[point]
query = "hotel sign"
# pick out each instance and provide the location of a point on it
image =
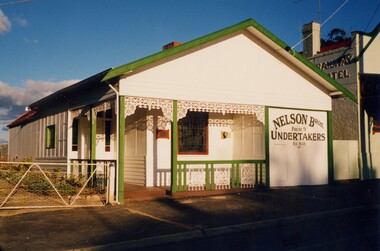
(340, 65)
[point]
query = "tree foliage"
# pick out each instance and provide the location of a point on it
(336, 35)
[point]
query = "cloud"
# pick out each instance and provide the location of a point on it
(5, 24)
(30, 41)
(33, 91)
(13, 100)
(20, 20)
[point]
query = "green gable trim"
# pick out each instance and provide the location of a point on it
(118, 71)
(373, 34)
(175, 50)
(326, 77)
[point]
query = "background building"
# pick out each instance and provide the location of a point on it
(3, 152)
(355, 133)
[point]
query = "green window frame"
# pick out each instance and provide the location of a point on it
(50, 137)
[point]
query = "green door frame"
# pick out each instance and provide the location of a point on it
(120, 169)
(174, 148)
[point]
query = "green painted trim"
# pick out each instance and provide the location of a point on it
(373, 34)
(193, 162)
(210, 172)
(266, 124)
(212, 177)
(330, 154)
(121, 122)
(118, 71)
(174, 148)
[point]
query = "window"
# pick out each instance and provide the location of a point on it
(50, 137)
(108, 135)
(106, 122)
(74, 146)
(193, 133)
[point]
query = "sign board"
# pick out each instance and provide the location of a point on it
(298, 147)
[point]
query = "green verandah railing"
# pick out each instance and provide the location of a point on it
(220, 174)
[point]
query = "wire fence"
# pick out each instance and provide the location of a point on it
(42, 185)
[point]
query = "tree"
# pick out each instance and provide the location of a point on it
(336, 35)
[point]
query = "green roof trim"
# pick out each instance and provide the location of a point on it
(118, 71)
(373, 34)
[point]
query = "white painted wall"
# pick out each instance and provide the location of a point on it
(371, 56)
(372, 65)
(235, 70)
(248, 137)
(298, 162)
(346, 159)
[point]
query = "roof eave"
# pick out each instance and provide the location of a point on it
(257, 30)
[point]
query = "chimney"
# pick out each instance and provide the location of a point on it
(170, 45)
(312, 39)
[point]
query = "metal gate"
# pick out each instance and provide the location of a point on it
(44, 185)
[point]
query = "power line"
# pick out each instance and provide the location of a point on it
(341, 6)
(15, 2)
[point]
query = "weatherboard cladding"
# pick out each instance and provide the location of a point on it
(245, 25)
(235, 70)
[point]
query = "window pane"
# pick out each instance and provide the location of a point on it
(192, 133)
(74, 146)
(108, 135)
(50, 137)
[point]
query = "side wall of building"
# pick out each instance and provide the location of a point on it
(371, 141)
(29, 141)
(340, 65)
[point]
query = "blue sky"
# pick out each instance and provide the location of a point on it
(48, 44)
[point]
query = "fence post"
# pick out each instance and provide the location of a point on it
(111, 183)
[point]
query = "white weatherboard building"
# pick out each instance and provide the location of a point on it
(233, 109)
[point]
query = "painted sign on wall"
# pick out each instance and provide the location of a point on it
(298, 147)
(297, 127)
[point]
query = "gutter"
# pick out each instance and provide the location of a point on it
(117, 140)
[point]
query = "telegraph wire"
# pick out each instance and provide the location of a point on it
(15, 2)
(333, 14)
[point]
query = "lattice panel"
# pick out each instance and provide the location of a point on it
(222, 176)
(196, 177)
(247, 175)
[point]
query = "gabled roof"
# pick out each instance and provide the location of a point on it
(34, 109)
(89, 82)
(27, 116)
(256, 30)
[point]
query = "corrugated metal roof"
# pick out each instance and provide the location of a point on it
(22, 119)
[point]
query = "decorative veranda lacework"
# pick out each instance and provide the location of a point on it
(222, 176)
(247, 175)
(196, 177)
(131, 103)
(184, 106)
(102, 107)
